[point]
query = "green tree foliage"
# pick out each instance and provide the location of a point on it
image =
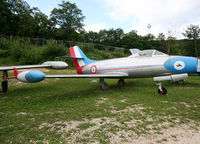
(193, 33)
(69, 18)
(53, 49)
(92, 37)
(6, 17)
(132, 40)
(24, 52)
(44, 26)
(18, 18)
(161, 39)
(111, 37)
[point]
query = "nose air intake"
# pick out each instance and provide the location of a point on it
(181, 64)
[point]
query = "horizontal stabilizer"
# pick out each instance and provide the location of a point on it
(67, 57)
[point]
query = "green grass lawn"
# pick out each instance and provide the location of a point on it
(77, 111)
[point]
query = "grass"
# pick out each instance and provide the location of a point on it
(77, 111)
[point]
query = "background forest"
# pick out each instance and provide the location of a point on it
(28, 36)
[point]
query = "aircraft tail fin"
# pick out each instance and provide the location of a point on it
(80, 59)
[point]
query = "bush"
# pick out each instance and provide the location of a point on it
(20, 51)
(52, 49)
(5, 46)
(32, 55)
(18, 48)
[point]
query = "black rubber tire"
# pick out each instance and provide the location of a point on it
(121, 83)
(163, 92)
(4, 86)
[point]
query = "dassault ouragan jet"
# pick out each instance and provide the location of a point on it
(146, 63)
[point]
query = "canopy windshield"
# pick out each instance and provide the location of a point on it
(150, 53)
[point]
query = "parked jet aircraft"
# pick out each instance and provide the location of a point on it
(146, 63)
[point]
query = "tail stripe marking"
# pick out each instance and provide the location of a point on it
(73, 55)
(78, 54)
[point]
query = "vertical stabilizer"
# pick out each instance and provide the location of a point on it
(76, 52)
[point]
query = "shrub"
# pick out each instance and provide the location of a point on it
(52, 49)
(32, 55)
(5, 45)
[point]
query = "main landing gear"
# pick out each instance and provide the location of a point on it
(121, 83)
(180, 82)
(4, 84)
(161, 90)
(105, 86)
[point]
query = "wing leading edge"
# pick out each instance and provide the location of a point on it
(109, 75)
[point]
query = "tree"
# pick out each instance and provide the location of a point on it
(193, 33)
(161, 39)
(44, 26)
(15, 18)
(132, 40)
(111, 37)
(92, 37)
(5, 17)
(69, 18)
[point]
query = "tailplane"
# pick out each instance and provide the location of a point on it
(80, 59)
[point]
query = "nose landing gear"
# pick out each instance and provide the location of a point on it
(161, 90)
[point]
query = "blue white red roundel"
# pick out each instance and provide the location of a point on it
(93, 69)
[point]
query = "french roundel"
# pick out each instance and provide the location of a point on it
(179, 65)
(93, 69)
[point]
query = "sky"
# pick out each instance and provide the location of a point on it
(171, 17)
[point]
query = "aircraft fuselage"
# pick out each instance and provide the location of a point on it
(137, 67)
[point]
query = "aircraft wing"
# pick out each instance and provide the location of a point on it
(108, 75)
(3, 68)
(47, 64)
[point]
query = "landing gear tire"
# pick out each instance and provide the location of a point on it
(4, 86)
(121, 83)
(163, 91)
(180, 82)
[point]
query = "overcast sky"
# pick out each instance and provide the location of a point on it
(162, 15)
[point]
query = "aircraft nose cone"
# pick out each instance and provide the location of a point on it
(181, 64)
(35, 76)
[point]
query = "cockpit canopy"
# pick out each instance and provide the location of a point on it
(149, 53)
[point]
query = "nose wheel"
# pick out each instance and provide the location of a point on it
(161, 89)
